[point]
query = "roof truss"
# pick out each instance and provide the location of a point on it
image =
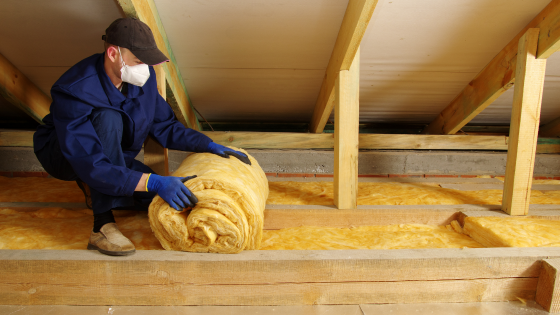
(499, 75)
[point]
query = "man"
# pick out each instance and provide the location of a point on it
(103, 109)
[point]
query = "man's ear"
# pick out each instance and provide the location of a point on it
(112, 53)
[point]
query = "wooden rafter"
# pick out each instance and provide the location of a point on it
(17, 89)
(355, 22)
(146, 11)
(499, 75)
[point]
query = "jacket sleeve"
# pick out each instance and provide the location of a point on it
(83, 150)
(170, 133)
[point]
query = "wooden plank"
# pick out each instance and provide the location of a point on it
(552, 129)
(346, 141)
(498, 76)
(283, 140)
(272, 140)
(155, 155)
(280, 140)
(548, 288)
(354, 24)
(275, 219)
(146, 11)
(270, 277)
(524, 127)
(17, 89)
(16, 138)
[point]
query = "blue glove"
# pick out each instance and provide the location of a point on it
(172, 190)
(225, 152)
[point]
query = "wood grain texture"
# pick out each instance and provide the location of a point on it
(346, 141)
(155, 155)
(548, 288)
(17, 89)
(288, 140)
(146, 11)
(270, 277)
(275, 219)
(524, 127)
(354, 24)
(498, 76)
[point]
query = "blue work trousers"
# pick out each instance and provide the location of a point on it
(108, 125)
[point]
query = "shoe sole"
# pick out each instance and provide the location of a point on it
(109, 252)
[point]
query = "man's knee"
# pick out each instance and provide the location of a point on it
(105, 119)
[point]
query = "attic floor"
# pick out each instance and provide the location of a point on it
(495, 308)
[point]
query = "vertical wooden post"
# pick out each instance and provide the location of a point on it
(155, 155)
(548, 287)
(524, 127)
(346, 117)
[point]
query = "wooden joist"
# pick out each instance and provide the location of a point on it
(354, 24)
(286, 140)
(80, 277)
(548, 288)
(499, 75)
(347, 120)
(524, 127)
(146, 11)
(17, 89)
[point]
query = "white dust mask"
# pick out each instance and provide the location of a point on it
(136, 75)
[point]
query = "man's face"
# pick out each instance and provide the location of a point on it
(115, 59)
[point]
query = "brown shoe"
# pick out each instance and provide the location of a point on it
(110, 241)
(85, 189)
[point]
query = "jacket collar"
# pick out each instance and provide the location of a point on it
(116, 98)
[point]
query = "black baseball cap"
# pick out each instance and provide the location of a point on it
(137, 37)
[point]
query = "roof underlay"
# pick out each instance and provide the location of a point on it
(262, 60)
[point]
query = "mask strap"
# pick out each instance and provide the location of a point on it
(120, 55)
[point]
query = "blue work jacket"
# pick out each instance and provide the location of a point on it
(86, 87)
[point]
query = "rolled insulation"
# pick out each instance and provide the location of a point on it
(228, 217)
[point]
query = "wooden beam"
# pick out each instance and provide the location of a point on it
(524, 127)
(155, 155)
(550, 130)
(346, 141)
(80, 277)
(354, 24)
(285, 140)
(17, 89)
(548, 288)
(146, 11)
(498, 76)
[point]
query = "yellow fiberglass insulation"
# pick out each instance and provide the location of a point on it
(228, 217)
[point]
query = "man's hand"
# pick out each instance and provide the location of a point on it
(225, 152)
(172, 190)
